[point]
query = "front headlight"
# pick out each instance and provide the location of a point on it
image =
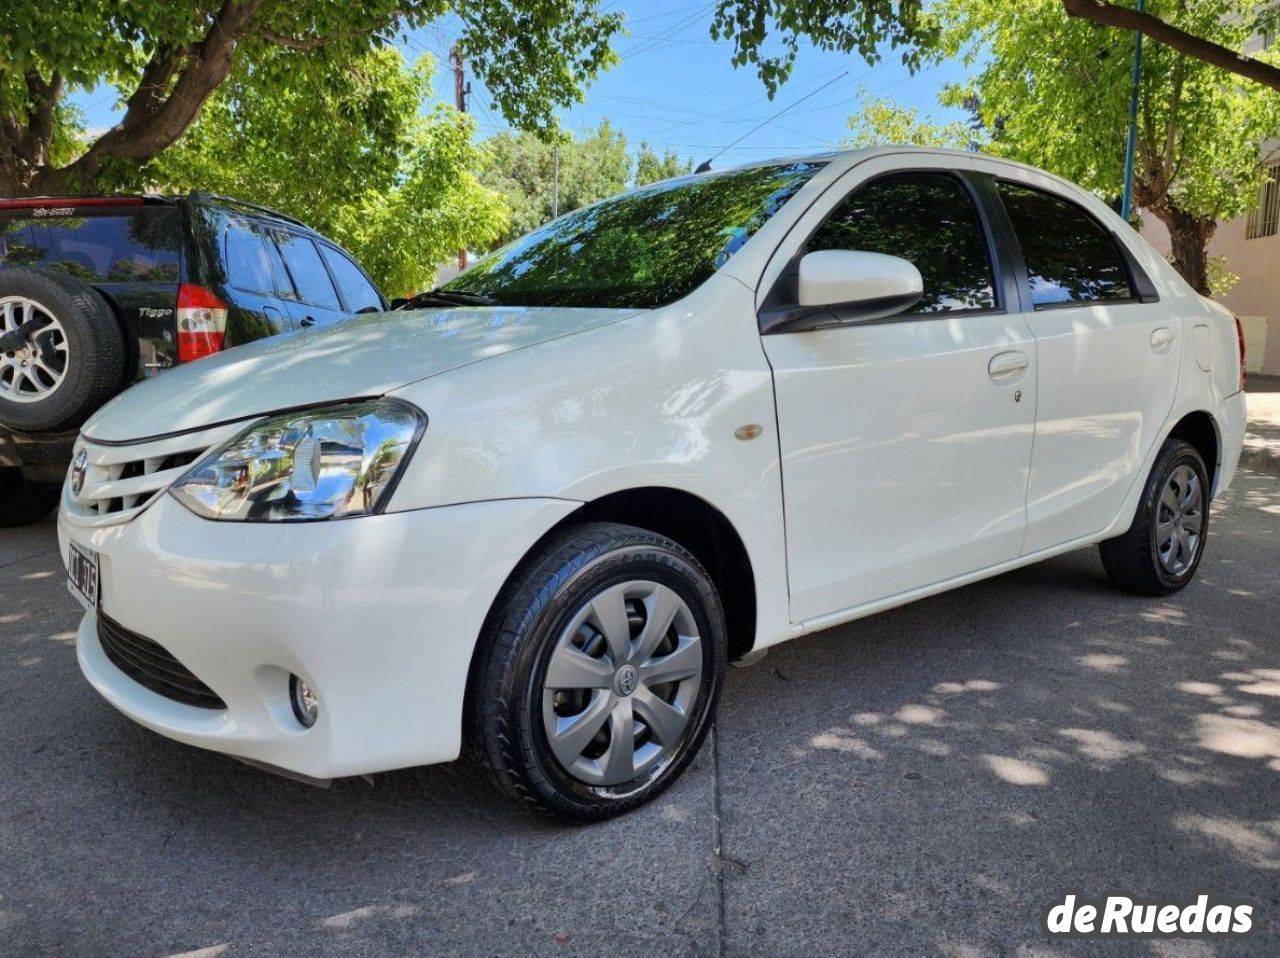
(315, 464)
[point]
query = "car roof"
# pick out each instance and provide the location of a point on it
(846, 158)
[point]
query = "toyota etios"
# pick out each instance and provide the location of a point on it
(540, 513)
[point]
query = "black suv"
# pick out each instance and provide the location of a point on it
(99, 292)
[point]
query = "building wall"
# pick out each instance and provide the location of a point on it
(1257, 263)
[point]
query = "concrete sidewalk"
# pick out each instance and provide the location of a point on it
(1262, 440)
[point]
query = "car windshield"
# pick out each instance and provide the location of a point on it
(641, 249)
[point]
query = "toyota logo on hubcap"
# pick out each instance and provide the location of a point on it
(626, 680)
(79, 467)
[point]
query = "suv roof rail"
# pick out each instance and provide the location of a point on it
(246, 205)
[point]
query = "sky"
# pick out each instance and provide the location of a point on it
(677, 89)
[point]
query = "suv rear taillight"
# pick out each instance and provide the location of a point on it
(202, 323)
(1240, 343)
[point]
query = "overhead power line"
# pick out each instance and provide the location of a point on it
(766, 122)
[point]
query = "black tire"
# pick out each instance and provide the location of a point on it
(95, 359)
(1133, 560)
(23, 503)
(506, 697)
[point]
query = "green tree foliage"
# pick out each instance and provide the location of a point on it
(521, 166)
(767, 33)
(880, 121)
(650, 167)
(1053, 91)
(358, 157)
(168, 57)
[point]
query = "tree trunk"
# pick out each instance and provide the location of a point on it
(171, 92)
(1189, 237)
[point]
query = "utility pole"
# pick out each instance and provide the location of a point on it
(555, 182)
(461, 89)
(1131, 145)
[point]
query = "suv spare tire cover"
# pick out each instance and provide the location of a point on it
(63, 352)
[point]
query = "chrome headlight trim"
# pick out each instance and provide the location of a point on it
(285, 433)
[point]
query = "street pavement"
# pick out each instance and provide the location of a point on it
(927, 781)
(1262, 438)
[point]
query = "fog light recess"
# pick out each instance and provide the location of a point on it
(306, 707)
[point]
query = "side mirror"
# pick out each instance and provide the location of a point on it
(835, 287)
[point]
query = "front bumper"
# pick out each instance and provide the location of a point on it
(379, 614)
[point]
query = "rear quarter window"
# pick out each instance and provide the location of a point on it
(143, 245)
(248, 265)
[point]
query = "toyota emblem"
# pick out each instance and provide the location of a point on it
(79, 466)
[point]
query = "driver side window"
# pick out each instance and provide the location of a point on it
(927, 219)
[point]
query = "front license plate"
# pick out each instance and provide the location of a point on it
(82, 569)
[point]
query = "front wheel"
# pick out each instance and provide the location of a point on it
(1161, 551)
(599, 672)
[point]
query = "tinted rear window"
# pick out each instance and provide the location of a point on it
(141, 246)
(1071, 258)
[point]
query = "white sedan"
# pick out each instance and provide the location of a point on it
(541, 511)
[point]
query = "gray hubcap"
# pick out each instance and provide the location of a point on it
(621, 683)
(35, 370)
(1179, 521)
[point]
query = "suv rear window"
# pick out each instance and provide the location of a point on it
(142, 245)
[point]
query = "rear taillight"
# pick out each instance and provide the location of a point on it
(202, 323)
(1240, 343)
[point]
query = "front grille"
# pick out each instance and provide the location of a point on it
(118, 482)
(152, 667)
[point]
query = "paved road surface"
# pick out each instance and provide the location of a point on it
(923, 782)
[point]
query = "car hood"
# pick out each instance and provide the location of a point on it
(361, 358)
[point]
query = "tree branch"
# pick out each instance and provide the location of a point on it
(1110, 15)
(162, 108)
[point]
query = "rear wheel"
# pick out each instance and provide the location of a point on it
(61, 350)
(23, 503)
(1162, 549)
(600, 671)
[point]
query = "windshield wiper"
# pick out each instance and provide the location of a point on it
(448, 297)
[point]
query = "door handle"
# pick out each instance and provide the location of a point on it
(1161, 338)
(1004, 365)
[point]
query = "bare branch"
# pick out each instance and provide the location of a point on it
(1110, 15)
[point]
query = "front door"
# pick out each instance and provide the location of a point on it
(906, 443)
(317, 302)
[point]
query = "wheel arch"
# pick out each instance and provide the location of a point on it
(689, 520)
(1200, 430)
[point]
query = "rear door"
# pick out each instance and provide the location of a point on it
(1108, 353)
(906, 442)
(257, 284)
